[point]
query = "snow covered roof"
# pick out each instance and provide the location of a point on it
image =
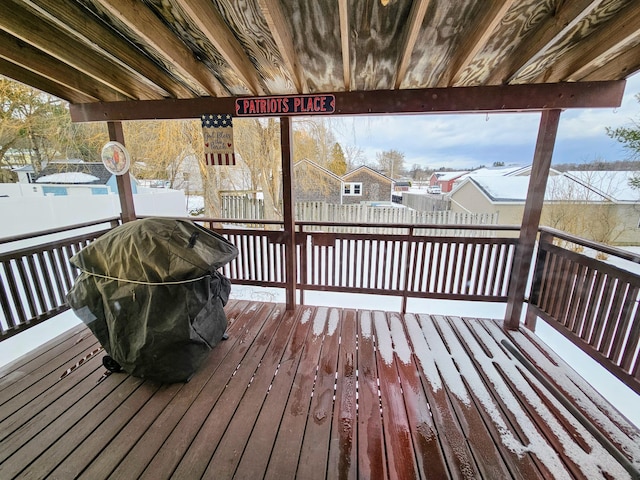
(67, 177)
(85, 173)
(501, 189)
(446, 176)
(612, 184)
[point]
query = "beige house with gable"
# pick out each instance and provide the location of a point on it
(601, 206)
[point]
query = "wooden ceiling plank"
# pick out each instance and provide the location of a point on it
(43, 35)
(480, 99)
(608, 37)
(85, 24)
(276, 20)
(477, 38)
(619, 67)
(209, 21)
(158, 36)
(568, 15)
(414, 24)
(344, 41)
(22, 75)
(43, 65)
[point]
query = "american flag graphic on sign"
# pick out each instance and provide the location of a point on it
(217, 130)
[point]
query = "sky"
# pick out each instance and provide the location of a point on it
(471, 140)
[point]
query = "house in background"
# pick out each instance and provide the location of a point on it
(26, 173)
(445, 180)
(314, 183)
(600, 206)
(364, 184)
(78, 178)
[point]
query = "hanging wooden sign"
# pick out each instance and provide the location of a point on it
(217, 132)
(285, 105)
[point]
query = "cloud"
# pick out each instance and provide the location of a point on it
(466, 141)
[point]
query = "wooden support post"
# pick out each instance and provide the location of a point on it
(286, 142)
(123, 181)
(531, 217)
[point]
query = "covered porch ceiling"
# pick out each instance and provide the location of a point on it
(378, 56)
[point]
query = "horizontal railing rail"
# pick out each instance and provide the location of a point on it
(590, 293)
(34, 280)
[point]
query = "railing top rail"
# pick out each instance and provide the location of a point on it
(436, 226)
(42, 233)
(617, 252)
(225, 220)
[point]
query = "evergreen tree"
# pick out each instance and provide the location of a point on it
(337, 163)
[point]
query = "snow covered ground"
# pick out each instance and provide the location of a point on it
(621, 396)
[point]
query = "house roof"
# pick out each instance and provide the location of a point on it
(94, 173)
(447, 176)
(91, 51)
(325, 171)
(613, 184)
(499, 189)
(365, 168)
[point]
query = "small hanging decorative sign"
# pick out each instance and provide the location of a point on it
(285, 106)
(115, 158)
(217, 130)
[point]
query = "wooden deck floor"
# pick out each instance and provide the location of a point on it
(316, 393)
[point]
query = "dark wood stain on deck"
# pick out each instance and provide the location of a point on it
(315, 393)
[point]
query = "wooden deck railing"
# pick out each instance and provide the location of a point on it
(470, 263)
(34, 279)
(593, 303)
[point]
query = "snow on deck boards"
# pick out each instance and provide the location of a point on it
(316, 393)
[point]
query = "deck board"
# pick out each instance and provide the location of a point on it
(315, 393)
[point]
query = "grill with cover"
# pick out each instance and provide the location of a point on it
(151, 293)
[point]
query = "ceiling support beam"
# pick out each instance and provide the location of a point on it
(128, 211)
(137, 16)
(344, 41)
(531, 217)
(414, 24)
(273, 14)
(564, 19)
(205, 16)
(475, 40)
(507, 98)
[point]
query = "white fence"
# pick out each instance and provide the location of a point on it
(239, 208)
(324, 212)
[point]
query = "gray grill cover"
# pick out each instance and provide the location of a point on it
(150, 292)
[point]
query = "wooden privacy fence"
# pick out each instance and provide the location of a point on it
(307, 212)
(244, 207)
(592, 303)
(34, 280)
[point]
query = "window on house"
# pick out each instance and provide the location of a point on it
(352, 189)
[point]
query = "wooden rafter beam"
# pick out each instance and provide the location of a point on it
(414, 24)
(508, 98)
(475, 40)
(614, 33)
(344, 43)
(567, 16)
(22, 75)
(209, 21)
(48, 68)
(618, 67)
(137, 17)
(276, 20)
(44, 35)
(82, 23)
